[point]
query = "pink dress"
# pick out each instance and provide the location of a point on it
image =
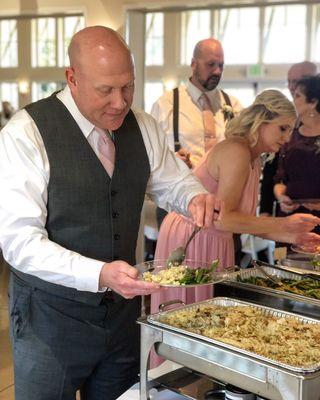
(207, 245)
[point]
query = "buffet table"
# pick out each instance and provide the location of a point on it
(221, 363)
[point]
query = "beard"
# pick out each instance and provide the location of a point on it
(210, 83)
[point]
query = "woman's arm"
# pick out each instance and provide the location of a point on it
(229, 164)
(305, 238)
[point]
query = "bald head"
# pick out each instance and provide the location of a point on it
(207, 64)
(96, 42)
(206, 46)
(298, 71)
(101, 76)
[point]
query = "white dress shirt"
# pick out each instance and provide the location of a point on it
(24, 179)
(191, 130)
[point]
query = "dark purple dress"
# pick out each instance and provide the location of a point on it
(299, 169)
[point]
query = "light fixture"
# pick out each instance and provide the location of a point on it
(24, 87)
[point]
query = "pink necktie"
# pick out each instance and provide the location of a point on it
(208, 122)
(106, 151)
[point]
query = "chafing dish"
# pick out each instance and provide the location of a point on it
(223, 362)
(271, 297)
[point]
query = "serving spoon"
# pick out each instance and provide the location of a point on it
(178, 255)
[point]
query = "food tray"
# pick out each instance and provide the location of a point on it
(228, 302)
(255, 272)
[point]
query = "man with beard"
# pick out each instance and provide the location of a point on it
(180, 112)
(207, 67)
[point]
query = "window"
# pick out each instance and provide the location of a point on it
(244, 93)
(67, 27)
(195, 26)
(8, 43)
(51, 38)
(285, 34)
(238, 27)
(41, 90)
(43, 42)
(315, 44)
(154, 39)
(152, 91)
(9, 92)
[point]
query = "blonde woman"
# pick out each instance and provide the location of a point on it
(231, 170)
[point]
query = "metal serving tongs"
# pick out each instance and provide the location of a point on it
(272, 278)
(259, 264)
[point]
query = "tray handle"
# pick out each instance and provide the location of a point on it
(166, 304)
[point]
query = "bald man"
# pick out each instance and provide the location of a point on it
(207, 66)
(298, 71)
(74, 171)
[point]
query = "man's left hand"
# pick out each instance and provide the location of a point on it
(204, 209)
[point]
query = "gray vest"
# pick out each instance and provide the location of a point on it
(88, 212)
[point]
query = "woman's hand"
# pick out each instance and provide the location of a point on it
(307, 239)
(286, 204)
(312, 206)
(299, 223)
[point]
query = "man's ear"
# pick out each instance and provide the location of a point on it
(70, 77)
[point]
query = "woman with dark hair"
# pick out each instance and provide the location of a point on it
(298, 176)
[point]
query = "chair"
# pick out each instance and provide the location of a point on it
(251, 245)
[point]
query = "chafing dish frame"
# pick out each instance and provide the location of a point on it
(275, 382)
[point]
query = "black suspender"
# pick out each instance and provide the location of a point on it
(177, 145)
(226, 98)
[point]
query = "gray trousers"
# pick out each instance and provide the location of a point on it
(60, 345)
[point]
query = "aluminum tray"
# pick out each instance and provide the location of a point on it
(227, 302)
(247, 273)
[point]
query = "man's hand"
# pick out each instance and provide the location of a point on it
(204, 209)
(122, 278)
(184, 155)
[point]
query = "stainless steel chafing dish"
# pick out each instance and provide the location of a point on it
(226, 363)
(267, 296)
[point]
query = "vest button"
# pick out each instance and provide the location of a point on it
(115, 214)
(113, 193)
(116, 236)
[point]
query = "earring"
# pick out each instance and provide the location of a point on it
(311, 114)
